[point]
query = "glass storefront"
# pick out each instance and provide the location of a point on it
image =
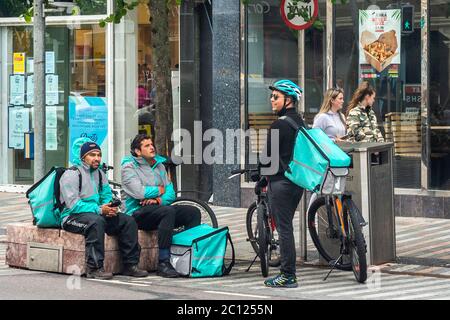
(398, 96)
(14, 8)
(440, 95)
(146, 81)
(77, 75)
(75, 63)
(272, 53)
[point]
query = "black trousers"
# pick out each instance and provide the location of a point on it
(284, 197)
(94, 227)
(165, 219)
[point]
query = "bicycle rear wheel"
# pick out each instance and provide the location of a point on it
(357, 244)
(252, 232)
(326, 238)
(263, 239)
(208, 216)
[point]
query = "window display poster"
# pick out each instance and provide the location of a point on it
(19, 63)
(18, 124)
(51, 139)
(30, 90)
(30, 65)
(51, 128)
(49, 62)
(88, 118)
(380, 40)
(51, 89)
(17, 90)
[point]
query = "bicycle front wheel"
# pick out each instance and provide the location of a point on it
(326, 235)
(356, 242)
(207, 214)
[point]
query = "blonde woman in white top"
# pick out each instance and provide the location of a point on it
(330, 118)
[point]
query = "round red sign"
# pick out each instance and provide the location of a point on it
(293, 11)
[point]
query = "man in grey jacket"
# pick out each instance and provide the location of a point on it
(149, 194)
(88, 211)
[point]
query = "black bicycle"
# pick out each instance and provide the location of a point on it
(335, 225)
(207, 214)
(261, 228)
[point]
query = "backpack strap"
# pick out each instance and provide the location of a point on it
(228, 269)
(79, 176)
(291, 122)
(57, 187)
(294, 126)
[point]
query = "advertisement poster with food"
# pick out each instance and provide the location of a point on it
(379, 42)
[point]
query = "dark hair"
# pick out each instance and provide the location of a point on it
(136, 143)
(364, 89)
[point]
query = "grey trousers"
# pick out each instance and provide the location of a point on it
(284, 197)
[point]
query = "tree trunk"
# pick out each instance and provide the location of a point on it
(161, 65)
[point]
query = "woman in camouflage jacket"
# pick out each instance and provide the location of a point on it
(361, 119)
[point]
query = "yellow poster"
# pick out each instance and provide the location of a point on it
(19, 63)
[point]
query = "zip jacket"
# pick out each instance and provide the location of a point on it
(90, 199)
(140, 181)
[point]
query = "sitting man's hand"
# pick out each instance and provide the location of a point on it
(147, 202)
(108, 211)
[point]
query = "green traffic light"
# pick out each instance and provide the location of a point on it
(407, 25)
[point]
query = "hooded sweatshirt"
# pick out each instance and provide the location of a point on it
(90, 199)
(140, 181)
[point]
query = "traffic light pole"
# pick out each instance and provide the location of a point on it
(39, 89)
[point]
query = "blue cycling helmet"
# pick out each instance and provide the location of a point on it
(289, 88)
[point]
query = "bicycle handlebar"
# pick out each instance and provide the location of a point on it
(241, 171)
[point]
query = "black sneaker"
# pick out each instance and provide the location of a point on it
(99, 273)
(134, 271)
(166, 270)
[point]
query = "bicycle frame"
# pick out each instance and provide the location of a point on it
(337, 210)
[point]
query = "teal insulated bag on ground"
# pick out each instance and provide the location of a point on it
(44, 200)
(200, 252)
(317, 164)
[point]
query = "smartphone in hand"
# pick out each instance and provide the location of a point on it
(115, 203)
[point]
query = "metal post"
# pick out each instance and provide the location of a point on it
(330, 32)
(301, 108)
(425, 84)
(39, 89)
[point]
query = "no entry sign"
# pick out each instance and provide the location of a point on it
(293, 13)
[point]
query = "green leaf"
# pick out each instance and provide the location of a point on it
(319, 25)
(102, 24)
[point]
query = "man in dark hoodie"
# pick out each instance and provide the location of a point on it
(88, 212)
(148, 197)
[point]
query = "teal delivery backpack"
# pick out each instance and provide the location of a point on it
(44, 199)
(200, 252)
(317, 164)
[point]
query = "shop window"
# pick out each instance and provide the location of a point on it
(14, 8)
(439, 99)
(146, 83)
(314, 67)
(397, 80)
(271, 55)
(75, 72)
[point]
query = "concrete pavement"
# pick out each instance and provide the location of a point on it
(415, 237)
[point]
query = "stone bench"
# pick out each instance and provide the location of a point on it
(60, 251)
